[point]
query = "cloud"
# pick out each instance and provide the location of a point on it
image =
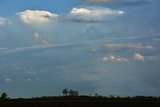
(34, 17)
(129, 47)
(93, 13)
(36, 36)
(7, 80)
(117, 2)
(77, 14)
(100, 1)
(113, 58)
(152, 58)
(41, 47)
(138, 57)
(43, 40)
(4, 21)
(29, 80)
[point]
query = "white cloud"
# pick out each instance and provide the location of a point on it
(99, 1)
(138, 57)
(36, 36)
(29, 80)
(37, 17)
(7, 80)
(34, 17)
(113, 58)
(93, 13)
(115, 47)
(4, 21)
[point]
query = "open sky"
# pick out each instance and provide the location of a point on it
(109, 47)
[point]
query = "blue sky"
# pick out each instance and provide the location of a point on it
(93, 46)
(58, 6)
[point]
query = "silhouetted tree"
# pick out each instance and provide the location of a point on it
(65, 92)
(4, 96)
(73, 93)
(96, 94)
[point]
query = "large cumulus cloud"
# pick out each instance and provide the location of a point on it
(33, 17)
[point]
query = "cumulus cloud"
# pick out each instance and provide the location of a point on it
(33, 17)
(86, 14)
(113, 58)
(138, 57)
(4, 21)
(93, 13)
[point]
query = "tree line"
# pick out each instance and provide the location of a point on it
(67, 92)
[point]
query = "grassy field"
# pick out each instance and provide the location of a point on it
(82, 101)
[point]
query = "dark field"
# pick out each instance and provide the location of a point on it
(82, 101)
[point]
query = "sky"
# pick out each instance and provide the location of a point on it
(109, 47)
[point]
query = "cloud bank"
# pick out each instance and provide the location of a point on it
(33, 17)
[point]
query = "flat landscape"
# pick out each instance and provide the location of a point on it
(81, 101)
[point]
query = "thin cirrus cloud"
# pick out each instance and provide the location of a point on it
(117, 2)
(35, 17)
(100, 1)
(41, 47)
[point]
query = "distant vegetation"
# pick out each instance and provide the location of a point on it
(67, 92)
(4, 96)
(72, 98)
